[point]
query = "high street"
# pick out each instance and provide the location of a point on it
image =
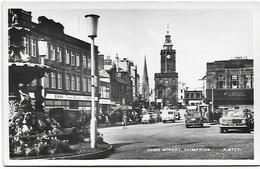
(174, 141)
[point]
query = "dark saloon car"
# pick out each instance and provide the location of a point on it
(236, 119)
(193, 118)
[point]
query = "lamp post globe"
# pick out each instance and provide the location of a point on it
(92, 25)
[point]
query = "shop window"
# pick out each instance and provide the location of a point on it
(221, 82)
(234, 81)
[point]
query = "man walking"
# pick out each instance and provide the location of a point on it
(124, 121)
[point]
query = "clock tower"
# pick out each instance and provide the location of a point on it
(168, 56)
(166, 82)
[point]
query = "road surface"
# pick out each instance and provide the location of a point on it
(174, 141)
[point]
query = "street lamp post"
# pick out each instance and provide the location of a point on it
(92, 24)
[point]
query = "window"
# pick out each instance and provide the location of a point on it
(73, 58)
(181, 91)
(72, 82)
(59, 81)
(77, 59)
(221, 82)
(53, 80)
(89, 62)
(248, 82)
(192, 95)
(181, 97)
(33, 47)
(59, 57)
(34, 82)
(78, 83)
(197, 95)
(84, 84)
(187, 95)
(84, 61)
(26, 45)
(89, 84)
(166, 82)
(52, 52)
(67, 55)
(46, 80)
(67, 82)
(234, 81)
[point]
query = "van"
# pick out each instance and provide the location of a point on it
(168, 115)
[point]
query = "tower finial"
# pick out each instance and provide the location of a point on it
(168, 28)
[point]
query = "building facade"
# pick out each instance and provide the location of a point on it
(69, 84)
(193, 97)
(166, 82)
(230, 83)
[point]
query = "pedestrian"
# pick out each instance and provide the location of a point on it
(124, 121)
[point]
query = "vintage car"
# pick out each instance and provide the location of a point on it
(193, 118)
(147, 118)
(168, 115)
(236, 119)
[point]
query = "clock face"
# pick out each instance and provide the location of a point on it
(168, 56)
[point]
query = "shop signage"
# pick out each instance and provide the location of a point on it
(159, 100)
(104, 101)
(67, 97)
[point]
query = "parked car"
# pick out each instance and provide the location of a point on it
(168, 115)
(156, 117)
(236, 119)
(193, 118)
(147, 118)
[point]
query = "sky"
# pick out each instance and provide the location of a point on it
(198, 35)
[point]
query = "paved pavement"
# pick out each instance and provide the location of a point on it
(174, 141)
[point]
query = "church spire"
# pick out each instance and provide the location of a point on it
(168, 42)
(145, 82)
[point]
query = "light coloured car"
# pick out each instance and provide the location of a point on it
(168, 115)
(236, 119)
(147, 118)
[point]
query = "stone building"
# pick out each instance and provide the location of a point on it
(231, 82)
(69, 85)
(193, 97)
(166, 82)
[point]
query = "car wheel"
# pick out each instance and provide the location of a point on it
(222, 130)
(164, 121)
(202, 125)
(187, 126)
